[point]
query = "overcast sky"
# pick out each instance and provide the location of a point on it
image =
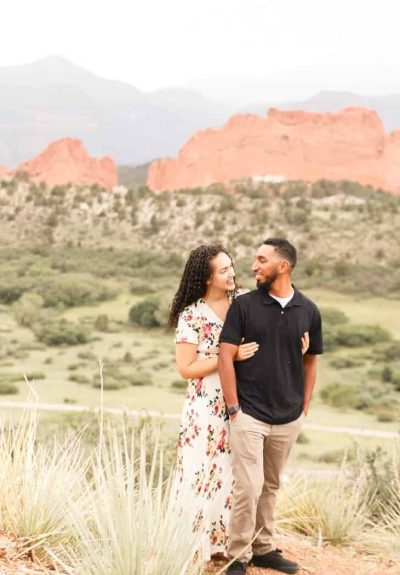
(157, 43)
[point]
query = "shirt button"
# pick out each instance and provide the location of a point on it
(282, 312)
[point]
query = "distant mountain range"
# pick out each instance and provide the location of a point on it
(53, 98)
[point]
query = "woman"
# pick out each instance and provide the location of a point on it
(198, 311)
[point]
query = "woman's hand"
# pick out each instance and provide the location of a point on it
(305, 342)
(246, 350)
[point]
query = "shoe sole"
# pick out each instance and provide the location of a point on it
(291, 572)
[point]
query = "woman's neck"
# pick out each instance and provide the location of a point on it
(216, 295)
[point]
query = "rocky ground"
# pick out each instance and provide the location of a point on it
(324, 560)
(313, 560)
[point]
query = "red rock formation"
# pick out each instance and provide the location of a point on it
(67, 161)
(3, 171)
(295, 145)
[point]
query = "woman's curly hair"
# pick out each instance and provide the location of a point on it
(193, 284)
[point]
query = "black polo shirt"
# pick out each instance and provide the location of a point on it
(271, 383)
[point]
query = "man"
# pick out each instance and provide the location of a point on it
(267, 397)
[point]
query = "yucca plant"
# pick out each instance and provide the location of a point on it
(384, 535)
(134, 524)
(36, 483)
(334, 510)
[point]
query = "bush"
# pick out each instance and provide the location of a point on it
(179, 384)
(336, 456)
(79, 378)
(27, 309)
(303, 438)
(35, 375)
(333, 316)
(340, 395)
(73, 290)
(359, 335)
(140, 378)
(110, 384)
(139, 286)
(8, 388)
(102, 323)
(149, 313)
(60, 332)
(345, 362)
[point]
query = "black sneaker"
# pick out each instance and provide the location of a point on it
(275, 560)
(237, 568)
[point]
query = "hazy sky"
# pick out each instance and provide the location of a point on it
(156, 43)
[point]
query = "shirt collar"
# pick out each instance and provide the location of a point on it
(295, 301)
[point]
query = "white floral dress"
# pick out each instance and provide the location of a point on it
(204, 457)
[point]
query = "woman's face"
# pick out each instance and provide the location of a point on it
(223, 273)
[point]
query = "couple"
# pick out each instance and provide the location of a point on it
(250, 358)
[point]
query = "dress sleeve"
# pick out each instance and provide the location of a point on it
(187, 330)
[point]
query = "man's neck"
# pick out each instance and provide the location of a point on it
(281, 289)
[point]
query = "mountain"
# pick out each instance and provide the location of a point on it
(67, 161)
(53, 98)
(388, 107)
(286, 145)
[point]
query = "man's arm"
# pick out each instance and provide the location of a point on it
(310, 373)
(226, 370)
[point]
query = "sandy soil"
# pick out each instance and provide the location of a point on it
(313, 560)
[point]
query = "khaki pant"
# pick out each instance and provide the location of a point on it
(259, 452)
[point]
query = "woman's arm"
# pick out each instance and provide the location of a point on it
(189, 366)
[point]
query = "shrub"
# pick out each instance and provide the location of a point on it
(303, 438)
(35, 375)
(140, 378)
(336, 456)
(60, 332)
(359, 335)
(73, 290)
(179, 384)
(340, 395)
(8, 388)
(87, 355)
(27, 309)
(102, 323)
(144, 313)
(79, 378)
(110, 384)
(345, 362)
(333, 316)
(139, 286)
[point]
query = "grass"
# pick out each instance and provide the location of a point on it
(106, 507)
(154, 348)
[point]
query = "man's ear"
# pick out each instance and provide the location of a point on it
(284, 267)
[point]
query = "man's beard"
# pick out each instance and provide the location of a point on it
(268, 281)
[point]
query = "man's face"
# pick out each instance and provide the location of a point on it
(267, 266)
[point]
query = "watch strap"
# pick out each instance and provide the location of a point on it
(233, 409)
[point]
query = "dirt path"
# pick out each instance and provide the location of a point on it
(144, 413)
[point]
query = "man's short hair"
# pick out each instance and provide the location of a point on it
(283, 248)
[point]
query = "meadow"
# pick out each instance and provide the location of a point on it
(87, 277)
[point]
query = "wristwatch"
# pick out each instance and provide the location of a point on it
(233, 409)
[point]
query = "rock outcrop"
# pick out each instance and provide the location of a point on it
(67, 161)
(290, 145)
(3, 171)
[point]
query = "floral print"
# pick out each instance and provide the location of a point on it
(204, 457)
